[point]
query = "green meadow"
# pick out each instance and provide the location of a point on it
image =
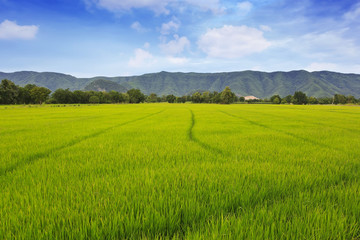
(179, 171)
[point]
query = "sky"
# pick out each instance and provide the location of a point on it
(87, 38)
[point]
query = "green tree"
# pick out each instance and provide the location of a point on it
(170, 98)
(227, 96)
(152, 98)
(241, 99)
(276, 99)
(313, 100)
(205, 97)
(94, 99)
(351, 99)
(339, 99)
(299, 98)
(196, 97)
(40, 94)
(8, 92)
(63, 96)
(135, 96)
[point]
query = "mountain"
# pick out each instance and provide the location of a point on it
(104, 85)
(259, 84)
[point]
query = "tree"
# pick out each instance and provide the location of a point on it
(339, 99)
(39, 94)
(170, 98)
(276, 99)
(241, 99)
(227, 96)
(196, 97)
(313, 100)
(299, 98)
(8, 92)
(351, 99)
(94, 99)
(63, 96)
(135, 96)
(206, 97)
(181, 99)
(152, 98)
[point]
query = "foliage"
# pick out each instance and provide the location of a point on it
(227, 96)
(245, 83)
(135, 96)
(299, 98)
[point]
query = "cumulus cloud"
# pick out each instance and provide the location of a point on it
(354, 13)
(207, 5)
(11, 30)
(326, 66)
(141, 58)
(245, 6)
(138, 27)
(172, 26)
(177, 60)
(175, 46)
(158, 6)
(232, 41)
(326, 45)
(265, 28)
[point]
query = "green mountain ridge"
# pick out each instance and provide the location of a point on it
(244, 83)
(101, 85)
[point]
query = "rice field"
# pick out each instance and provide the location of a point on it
(179, 171)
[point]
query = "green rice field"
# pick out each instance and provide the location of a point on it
(179, 171)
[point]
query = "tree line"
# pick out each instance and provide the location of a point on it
(10, 93)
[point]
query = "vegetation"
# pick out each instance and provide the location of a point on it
(179, 171)
(246, 83)
(101, 85)
(32, 94)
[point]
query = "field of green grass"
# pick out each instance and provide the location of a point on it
(180, 171)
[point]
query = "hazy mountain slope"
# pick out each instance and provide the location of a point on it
(104, 85)
(50, 80)
(259, 84)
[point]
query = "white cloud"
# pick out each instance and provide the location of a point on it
(167, 28)
(158, 6)
(141, 58)
(354, 13)
(177, 60)
(245, 6)
(326, 66)
(265, 28)
(10, 30)
(326, 45)
(138, 27)
(207, 5)
(146, 45)
(232, 41)
(175, 46)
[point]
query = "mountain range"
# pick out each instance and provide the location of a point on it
(244, 83)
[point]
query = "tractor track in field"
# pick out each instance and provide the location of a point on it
(200, 143)
(36, 156)
(309, 123)
(284, 132)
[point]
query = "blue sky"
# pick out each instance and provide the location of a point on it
(131, 37)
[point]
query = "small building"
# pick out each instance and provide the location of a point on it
(251, 98)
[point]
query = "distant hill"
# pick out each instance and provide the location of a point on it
(245, 83)
(101, 85)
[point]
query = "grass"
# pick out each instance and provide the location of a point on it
(180, 171)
